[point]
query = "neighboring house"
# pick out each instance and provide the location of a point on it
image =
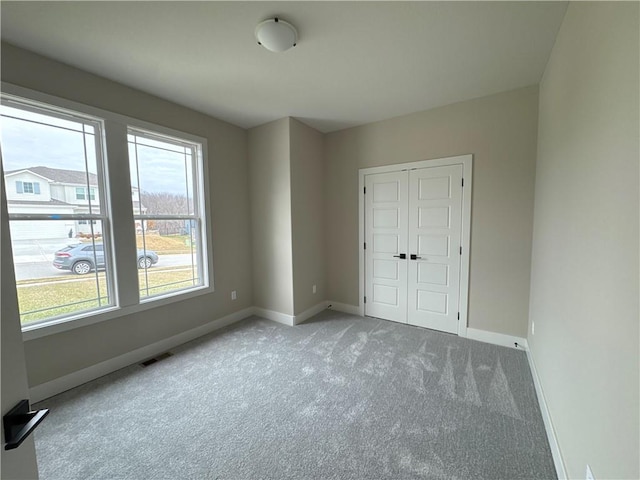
(38, 190)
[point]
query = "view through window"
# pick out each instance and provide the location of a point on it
(166, 212)
(47, 156)
(54, 170)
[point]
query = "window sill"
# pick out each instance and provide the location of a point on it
(32, 332)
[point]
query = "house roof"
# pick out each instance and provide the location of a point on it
(16, 172)
(60, 175)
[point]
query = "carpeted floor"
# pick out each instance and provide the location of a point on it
(338, 397)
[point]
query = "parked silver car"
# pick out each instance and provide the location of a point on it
(83, 258)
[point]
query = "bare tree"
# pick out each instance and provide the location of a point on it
(164, 203)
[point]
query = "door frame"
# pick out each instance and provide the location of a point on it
(467, 175)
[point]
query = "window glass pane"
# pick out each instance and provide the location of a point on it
(168, 262)
(55, 275)
(46, 159)
(34, 117)
(161, 176)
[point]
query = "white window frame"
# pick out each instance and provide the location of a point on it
(197, 213)
(122, 231)
(54, 111)
(24, 187)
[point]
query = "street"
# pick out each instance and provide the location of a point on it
(34, 270)
(33, 259)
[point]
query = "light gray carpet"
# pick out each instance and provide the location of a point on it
(338, 397)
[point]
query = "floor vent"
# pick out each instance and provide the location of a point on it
(153, 360)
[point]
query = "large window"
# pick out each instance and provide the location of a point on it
(164, 178)
(64, 228)
(44, 146)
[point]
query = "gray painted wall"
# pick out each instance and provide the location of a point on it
(287, 209)
(307, 215)
(500, 131)
(270, 171)
(60, 354)
(584, 283)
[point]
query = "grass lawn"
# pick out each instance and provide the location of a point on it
(51, 297)
(166, 245)
(163, 245)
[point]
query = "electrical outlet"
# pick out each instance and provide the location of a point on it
(313, 289)
(533, 328)
(234, 295)
(589, 474)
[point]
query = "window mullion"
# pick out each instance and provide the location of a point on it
(122, 234)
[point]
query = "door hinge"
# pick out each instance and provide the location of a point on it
(365, 190)
(365, 245)
(458, 315)
(365, 299)
(460, 250)
(463, 182)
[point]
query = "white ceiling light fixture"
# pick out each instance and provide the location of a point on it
(276, 35)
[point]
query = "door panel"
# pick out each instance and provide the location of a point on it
(385, 269)
(432, 245)
(434, 217)
(435, 222)
(385, 217)
(434, 273)
(433, 188)
(386, 228)
(432, 302)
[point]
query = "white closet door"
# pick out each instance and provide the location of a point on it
(435, 223)
(386, 228)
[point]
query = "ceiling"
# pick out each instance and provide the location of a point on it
(355, 62)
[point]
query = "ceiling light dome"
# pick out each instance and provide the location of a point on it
(276, 35)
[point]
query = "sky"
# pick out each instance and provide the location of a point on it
(27, 144)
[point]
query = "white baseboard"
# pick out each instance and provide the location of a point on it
(67, 382)
(497, 338)
(275, 316)
(310, 312)
(548, 424)
(344, 307)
